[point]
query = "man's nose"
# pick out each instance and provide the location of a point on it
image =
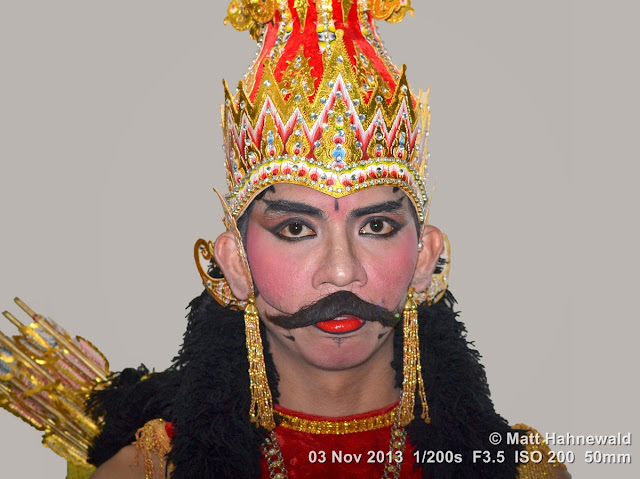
(341, 266)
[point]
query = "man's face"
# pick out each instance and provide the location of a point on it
(303, 245)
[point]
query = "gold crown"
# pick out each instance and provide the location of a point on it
(323, 105)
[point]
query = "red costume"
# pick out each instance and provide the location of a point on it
(342, 454)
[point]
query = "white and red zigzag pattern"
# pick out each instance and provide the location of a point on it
(321, 173)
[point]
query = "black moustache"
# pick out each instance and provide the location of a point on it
(330, 307)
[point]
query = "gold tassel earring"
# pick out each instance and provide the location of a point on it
(261, 409)
(411, 367)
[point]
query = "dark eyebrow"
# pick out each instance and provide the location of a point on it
(285, 206)
(384, 207)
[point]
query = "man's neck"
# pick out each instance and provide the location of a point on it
(335, 393)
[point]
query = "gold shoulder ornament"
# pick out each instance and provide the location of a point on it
(541, 465)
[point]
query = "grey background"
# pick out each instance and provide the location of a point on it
(110, 145)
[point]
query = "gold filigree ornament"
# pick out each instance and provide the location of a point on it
(153, 442)
(440, 277)
(250, 14)
(393, 11)
(216, 285)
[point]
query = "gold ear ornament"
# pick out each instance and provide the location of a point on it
(217, 286)
(440, 277)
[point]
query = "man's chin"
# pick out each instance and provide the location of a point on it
(340, 352)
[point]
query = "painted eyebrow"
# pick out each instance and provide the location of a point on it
(285, 206)
(384, 207)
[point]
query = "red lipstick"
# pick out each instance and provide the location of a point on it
(341, 324)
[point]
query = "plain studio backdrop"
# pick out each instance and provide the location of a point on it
(110, 146)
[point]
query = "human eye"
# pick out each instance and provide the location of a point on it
(294, 230)
(380, 227)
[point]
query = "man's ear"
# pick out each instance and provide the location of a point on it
(228, 259)
(429, 250)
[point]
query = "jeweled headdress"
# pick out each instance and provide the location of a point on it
(322, 105)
